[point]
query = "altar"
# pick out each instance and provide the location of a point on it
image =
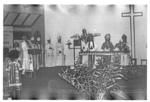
(113, 57)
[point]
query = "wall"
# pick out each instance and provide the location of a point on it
(69, 20)
(141, 33)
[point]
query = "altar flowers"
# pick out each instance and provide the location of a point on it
(97, 83)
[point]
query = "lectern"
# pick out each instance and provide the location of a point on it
(35, 54)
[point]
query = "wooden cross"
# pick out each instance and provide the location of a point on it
(132, 14)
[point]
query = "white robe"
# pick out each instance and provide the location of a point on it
(124, 59)
(60, 57)
(50, 62)
(27, 61)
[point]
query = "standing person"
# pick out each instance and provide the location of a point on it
(15, 51)
(60, 56)
(123, 46)
(107, 45)
(35, 55)
(49, 54)
(84, 46)
(13, 69)
(27, 61)
(84, 40)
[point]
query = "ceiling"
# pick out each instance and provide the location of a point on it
(20, 19)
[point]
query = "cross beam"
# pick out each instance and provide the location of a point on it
(132, 14)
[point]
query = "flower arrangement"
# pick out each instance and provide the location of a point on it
(95, 82)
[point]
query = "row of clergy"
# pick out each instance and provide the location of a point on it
(87, 43)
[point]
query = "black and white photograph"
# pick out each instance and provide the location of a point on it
(74, 52)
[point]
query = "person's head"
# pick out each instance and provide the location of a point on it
(107, 37)
(84, 32)
(124, 38)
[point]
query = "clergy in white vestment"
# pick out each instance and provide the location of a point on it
(60, 57)
(49, 54)
(27, 60)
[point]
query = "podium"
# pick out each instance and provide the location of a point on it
(35, 56)
(34, 51)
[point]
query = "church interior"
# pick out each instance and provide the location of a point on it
(74, 52)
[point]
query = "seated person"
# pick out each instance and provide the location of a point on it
(107, 45)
